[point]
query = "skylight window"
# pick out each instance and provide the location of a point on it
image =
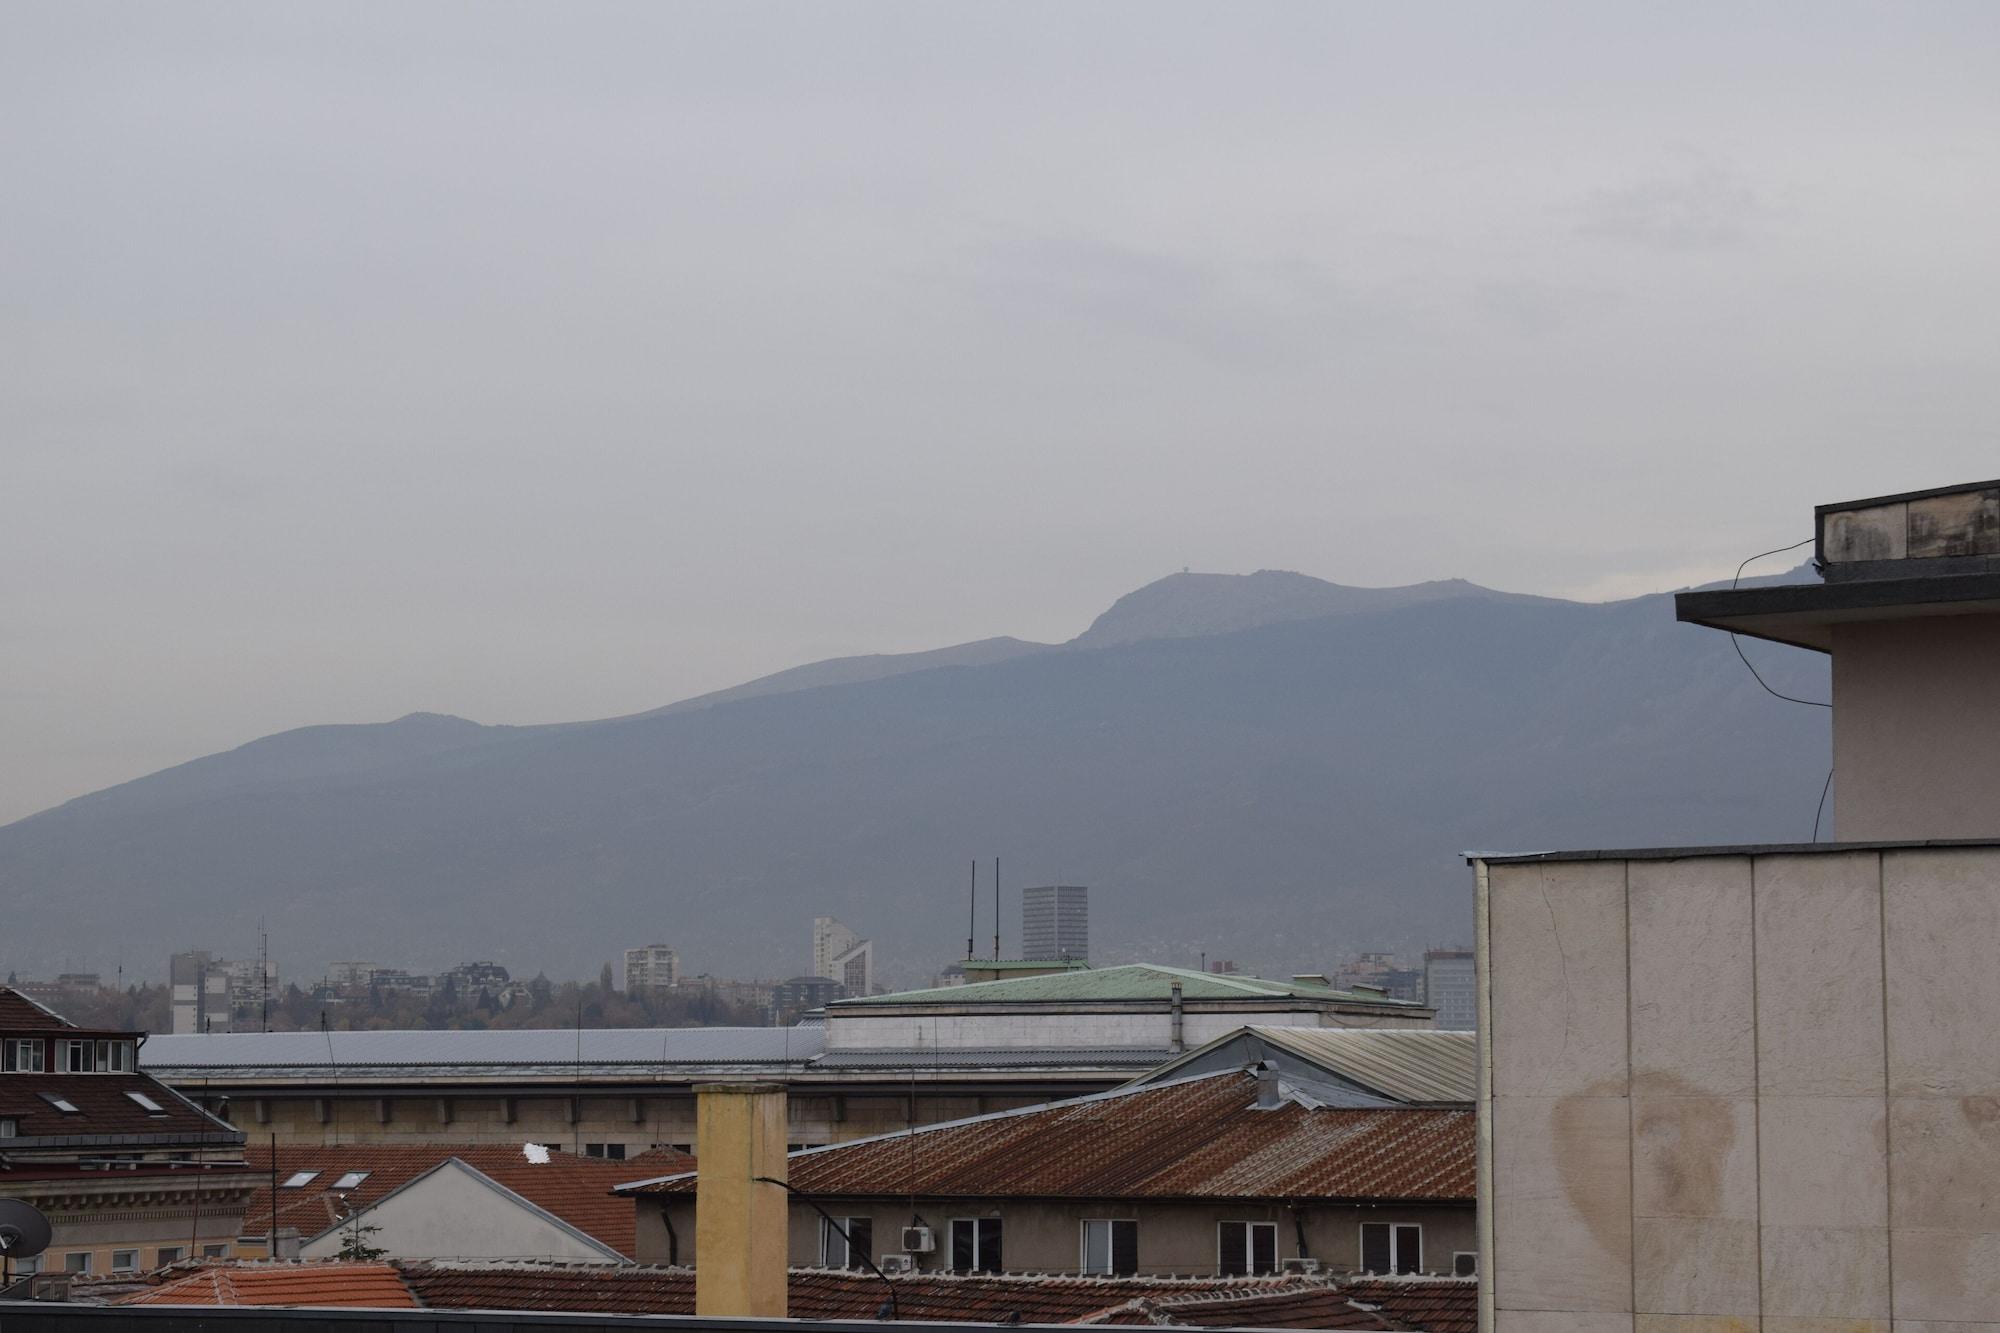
(298, 1180)
(147, 1104)
(350, 1180)
(63, 1104)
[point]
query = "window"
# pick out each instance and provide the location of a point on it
(76, 1263)
(1247, 1248)
(349, 1179)
(853, 1250)
(975, 1245)
(124, 1261)
(1110, 1247)
(1392, 1247)
(63, 1104)
(28, 1266)
(1465, 1263)
(610, 1152)
(9, 1127)
(147, 1104)
(167, 1254)
(298, 1180)
(214, 1251)
(22, 1055)
(77, 1055)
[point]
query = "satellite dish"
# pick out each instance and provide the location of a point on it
(24, 1232)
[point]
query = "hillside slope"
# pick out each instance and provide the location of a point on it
(1278, 794)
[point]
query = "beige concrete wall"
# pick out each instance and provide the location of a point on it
(1916, 729)
(1743, 1092)
(1046, 1236)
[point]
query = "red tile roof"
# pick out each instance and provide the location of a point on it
(1199, 1138)
(575, 1189)
(818, 1293)
(376, 1286)
(1420, 1305)
(1430, 1304)
(18, 1013)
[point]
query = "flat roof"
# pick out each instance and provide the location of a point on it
(1803, 614)
(1738, 849)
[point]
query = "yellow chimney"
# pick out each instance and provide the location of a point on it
(741, 1226)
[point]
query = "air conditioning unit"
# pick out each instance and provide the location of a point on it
(898, 1263)
(919, 1240)
(1298, 1266)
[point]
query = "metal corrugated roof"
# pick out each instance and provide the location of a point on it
(932, 1057)
(1202, 1137)
(1132, 981)
(439, 1051)
(1408, 1064)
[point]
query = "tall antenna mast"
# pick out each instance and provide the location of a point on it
(264, 978)
(972, 910)
(996, 909)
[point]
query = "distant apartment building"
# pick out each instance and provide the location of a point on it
(1055, 921)
(654, 967)
(200, 992)
(1451, 987)
(841, 955)
(790, 1000)
(1379, 971)
(351, 972)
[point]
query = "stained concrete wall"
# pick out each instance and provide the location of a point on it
(1916, 729)
(1742, 1092)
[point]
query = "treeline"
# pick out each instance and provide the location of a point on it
(547, 1004)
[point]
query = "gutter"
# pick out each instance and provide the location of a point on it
(1483, 992)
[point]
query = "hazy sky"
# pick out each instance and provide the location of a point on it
(537, 362)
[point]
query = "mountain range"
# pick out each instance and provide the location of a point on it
(1269, 768)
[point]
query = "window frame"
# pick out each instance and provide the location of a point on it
(131, 1264)
(978, 1225)
(1111, 1226)
(144, 1101)
(298, 1180)
(831, 1231)
(168, 1254)
(348, 1180)
(605, 1152)
(1250, 1231)
(70, 1264)
(1395, 1247)
(11, 1050)
(215, 1251)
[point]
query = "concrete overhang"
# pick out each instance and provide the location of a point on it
(1804, 614)
(1743, 849)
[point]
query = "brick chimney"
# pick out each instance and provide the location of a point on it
(741, 1224)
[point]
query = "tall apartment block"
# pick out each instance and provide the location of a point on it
(841, 955)
(654, 967)
(200, 992)
(1055, 922)
(1452, 988)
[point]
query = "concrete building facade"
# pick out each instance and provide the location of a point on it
(841, 955)
(1055, 922)
(1451, 987)
(653, 967)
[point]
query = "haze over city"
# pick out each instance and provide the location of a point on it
(542, 363)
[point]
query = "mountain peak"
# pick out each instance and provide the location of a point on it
(1187, 605)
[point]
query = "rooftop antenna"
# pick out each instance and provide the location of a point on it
(972, 910)
(264, 975)
(996, 909)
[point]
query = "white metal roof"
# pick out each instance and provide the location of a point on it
(541, 1048)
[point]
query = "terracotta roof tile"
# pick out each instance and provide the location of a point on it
(1434, 1304)
(18, 1013)
(376, 1286)
(575, 1189)
(1199, 1138)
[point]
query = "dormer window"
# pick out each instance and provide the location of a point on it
(147, 1104)
(349, 1180)
(298, 1180)
(63, 1104)
(22, 1055)
(85, 1056)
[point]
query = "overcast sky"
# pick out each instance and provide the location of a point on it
(538, 362)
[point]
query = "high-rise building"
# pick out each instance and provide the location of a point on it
(1055, 922)
(841, 955)
(200, 985)
(1451, 988)
(655, 967)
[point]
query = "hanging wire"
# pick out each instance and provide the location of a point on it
(1738, 646)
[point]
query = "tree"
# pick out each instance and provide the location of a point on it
(354, 1241)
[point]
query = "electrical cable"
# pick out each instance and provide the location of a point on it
(1734, 643)
(1821, 810)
